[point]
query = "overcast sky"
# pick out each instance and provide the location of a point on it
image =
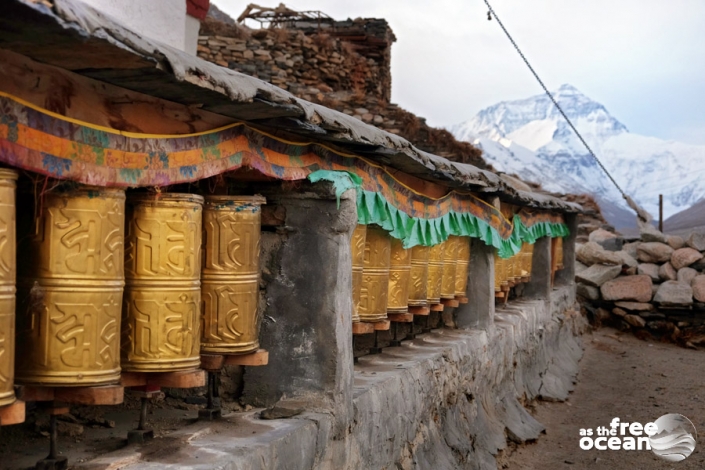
(644, 60)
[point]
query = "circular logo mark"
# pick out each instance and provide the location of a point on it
(675, 439)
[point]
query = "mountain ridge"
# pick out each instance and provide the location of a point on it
(530, 137)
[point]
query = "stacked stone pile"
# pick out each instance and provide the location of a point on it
(655, 286)
(306, 65)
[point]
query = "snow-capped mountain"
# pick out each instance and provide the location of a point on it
(529, 137)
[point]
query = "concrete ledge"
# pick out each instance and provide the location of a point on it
(448, 399)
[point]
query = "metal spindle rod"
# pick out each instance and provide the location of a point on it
(53, 437)
(211, 390)
(142, 426)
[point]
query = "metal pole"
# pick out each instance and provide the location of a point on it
(142, 426)
(53, 437)
(660, 212)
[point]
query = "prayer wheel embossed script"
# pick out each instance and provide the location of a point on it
(462, 266)
(230, 276)
(435, 273)
(7, 285)
(375, 276)
(161, 305)
(70, 288)
(450, 256)
(418, 280)
(357, 248)
(399, 273)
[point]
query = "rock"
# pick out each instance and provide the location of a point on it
(661, 326)
(652, 316)
(627, 259)
(674, 293)
(602, 314)
(598, 274)
(675, 242)
(612, 244)
(592, 253)
(631, 248)
(579, 267)
(279, 412)
(653, 252)
(649, 233)
(587, 292)
(698, 285)
(601, 235)
(635, 320)
(635, 306)
(667, 272)
(619, 312)
(69, 429)
(685, 257)
(654, 289)
(587, 228)
(650, 270)
(637, 288)
(686, 275)
(699, 265)
(696, 241)
(630, 271)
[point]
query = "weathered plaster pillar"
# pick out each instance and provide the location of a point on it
(539, 287)
(479, 311)
(566, 275)
(307, 325)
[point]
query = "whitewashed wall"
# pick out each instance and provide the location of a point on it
(165, 21)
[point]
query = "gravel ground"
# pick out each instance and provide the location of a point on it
(620, 376)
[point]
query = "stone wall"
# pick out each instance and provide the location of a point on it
(654, 286)
(447, 400)
(346, 68)
(354, 58)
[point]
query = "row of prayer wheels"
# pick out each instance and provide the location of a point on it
(107, 283)
(388, 278)
(511, 271)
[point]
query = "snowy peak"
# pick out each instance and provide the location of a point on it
(535, 122)
(531, 138)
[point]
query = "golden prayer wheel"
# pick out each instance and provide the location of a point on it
(399, 278)
(504, 270)
(7, 285)
(516, 267)
(357, 247)
(462, 265)
(529, 256)
(497, 272)
(230, 275)
(161, 305)
(70, 288)
(559, 252)
(375, 275)
(418, 280)
(435, 273)
(450, 257)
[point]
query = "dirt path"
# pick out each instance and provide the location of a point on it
(620, 376)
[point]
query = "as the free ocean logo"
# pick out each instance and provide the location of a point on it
(672, 437)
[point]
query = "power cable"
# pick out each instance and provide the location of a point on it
(491, 14)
